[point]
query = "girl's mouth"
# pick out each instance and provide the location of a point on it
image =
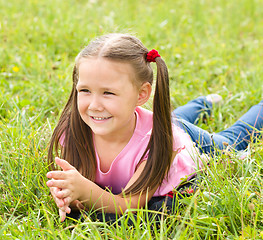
(100, 118)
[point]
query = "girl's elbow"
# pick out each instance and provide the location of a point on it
(129, 204)
(137, 203)
(132, 206)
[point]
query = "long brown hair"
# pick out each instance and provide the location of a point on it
(76, 136)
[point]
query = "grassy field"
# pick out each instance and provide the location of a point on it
(210, 46)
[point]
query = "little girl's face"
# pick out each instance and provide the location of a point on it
(107, 97)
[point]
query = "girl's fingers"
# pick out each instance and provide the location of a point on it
(61, 198)
(56, 175)
(60, 203)
(67, 200)
(56, 183)
(63, 193)
(65, 208)
(63, 164)
(68, 210)
(63, 205)
(54, 191)
(62, 215)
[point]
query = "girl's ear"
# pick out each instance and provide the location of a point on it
(144, 93)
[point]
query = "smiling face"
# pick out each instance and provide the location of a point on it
(107, 97)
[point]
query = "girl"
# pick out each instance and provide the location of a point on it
(116, 155)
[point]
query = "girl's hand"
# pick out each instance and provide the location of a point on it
(69, 181)
(63, 208)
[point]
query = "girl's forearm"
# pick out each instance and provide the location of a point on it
(94, 196)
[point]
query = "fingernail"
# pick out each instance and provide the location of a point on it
(49, 183)
(68, 210)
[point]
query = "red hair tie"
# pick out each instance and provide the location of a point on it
(152, 55)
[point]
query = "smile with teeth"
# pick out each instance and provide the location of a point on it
(100, 118)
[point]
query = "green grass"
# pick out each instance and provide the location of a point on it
(210, 46)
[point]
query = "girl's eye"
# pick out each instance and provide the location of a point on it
(108, 93)
(84, 90)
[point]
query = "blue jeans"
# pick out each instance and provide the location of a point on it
(237, 136)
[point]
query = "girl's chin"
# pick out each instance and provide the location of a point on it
(100, 133)
(100, 129)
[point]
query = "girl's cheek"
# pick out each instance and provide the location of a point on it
(81, 103)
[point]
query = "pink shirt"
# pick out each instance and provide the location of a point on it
(185, 163)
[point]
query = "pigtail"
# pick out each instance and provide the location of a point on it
(162, 126)
(160, 146)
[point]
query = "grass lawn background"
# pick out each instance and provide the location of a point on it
(210, 46)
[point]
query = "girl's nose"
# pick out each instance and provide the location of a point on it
(95, 104)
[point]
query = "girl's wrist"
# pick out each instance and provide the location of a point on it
(84, 190)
